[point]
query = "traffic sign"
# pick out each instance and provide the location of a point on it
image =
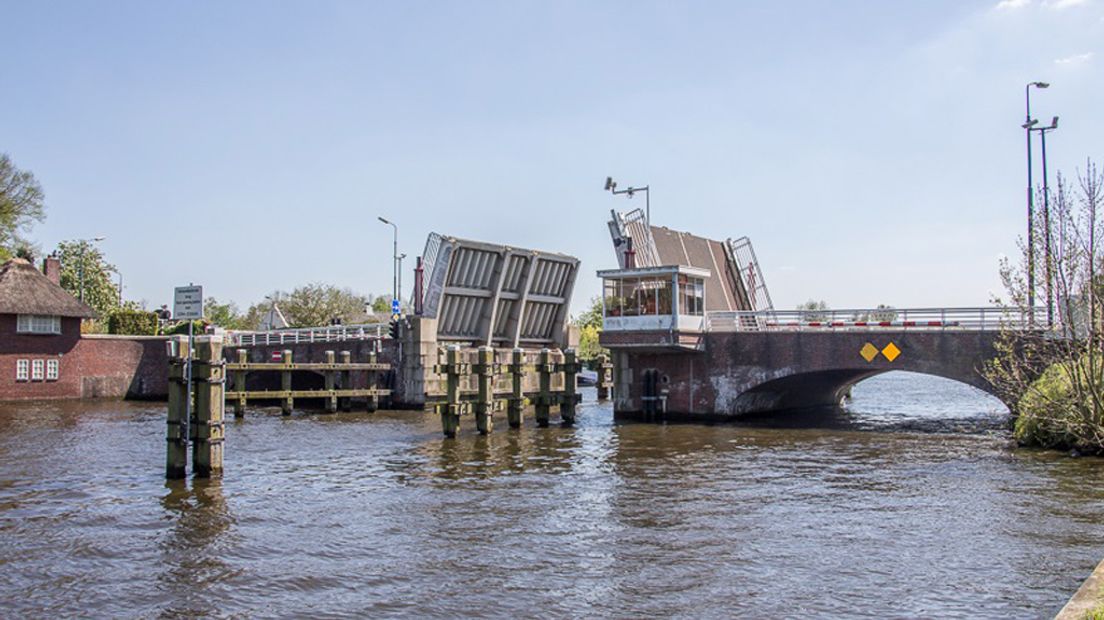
(188, 302)
(395, 309)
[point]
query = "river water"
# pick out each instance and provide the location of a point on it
(908, 503)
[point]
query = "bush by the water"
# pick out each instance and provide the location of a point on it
(1061, 409)
(182, 327)
(132, 322)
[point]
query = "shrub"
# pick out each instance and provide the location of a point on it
(132, 322)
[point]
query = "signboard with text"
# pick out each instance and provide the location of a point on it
(188, 302)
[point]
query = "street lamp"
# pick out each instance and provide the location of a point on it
(394, 260)
(1028, 124)
(1048, 263)
(80, 266)
(611, 186)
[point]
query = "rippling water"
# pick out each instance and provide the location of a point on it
(907, 503)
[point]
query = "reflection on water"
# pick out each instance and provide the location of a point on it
(907, 502)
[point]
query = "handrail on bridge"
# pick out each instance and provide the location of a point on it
(330, 333)
(975, 319)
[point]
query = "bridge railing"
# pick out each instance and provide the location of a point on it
(973, 319)
(332, 333)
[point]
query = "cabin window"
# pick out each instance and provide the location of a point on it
(691, 296)
(38, 324)
(37, 370)
(51, 370)
(22, 370)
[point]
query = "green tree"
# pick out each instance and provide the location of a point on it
(317, 304)
(1054, 375)
(381, 304)
(21, 205)
(224, 315)
(99, 291)
(589, 322)
(813, 310)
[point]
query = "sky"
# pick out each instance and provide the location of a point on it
(872, 151)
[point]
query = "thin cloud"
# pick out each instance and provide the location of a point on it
(1058, 5)
(1076, 59)
(1007, 5)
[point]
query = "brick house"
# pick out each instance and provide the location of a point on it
(43, 354)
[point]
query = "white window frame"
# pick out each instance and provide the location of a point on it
(52, 367)
(22, 370)
(38, 324)
(38, 370)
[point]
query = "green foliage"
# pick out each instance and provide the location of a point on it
(132, 322)
(381, 304)
(1055, 411)
(317, 304)
(814, 310)
(224, 315)
(590, 326)
(199, 326)
(21, 205)
(99, 291)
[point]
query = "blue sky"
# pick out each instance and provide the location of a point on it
(871, 150)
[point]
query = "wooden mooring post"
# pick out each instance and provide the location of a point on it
(517, 402)
(239, 384)
(288, 401)
(209, 429)
(329, 379)
(485, 404)
(346, 381)
(176, 463)
(450, 410)
(373, 380)
(543, 404)
(206, 428)
(569, 397)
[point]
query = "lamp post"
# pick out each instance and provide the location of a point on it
(1048, 264)
(394, 260)
(1028, 124)
(80, 265)
(611, 186)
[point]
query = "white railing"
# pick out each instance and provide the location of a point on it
(975, 319)
(333, 333)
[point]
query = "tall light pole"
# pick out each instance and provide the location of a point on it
(80, 265)
(1028, 124)
(1048, 264)
(611, 186)
(394, 260)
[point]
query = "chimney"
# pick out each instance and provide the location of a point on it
(51, 266)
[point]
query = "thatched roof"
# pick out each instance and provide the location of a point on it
(26, 290)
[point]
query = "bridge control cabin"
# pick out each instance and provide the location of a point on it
(654, 308)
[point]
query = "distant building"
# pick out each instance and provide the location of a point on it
(44, 356)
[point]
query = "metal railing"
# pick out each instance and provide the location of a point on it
(333, 333)
(974, 319)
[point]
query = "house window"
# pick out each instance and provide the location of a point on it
(37, 367)
(38, 324)
(51, 370)
(22, 370)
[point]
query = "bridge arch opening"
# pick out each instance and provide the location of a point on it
(878, 392)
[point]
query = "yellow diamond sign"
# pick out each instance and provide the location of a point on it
(868, 352)
(891, 351)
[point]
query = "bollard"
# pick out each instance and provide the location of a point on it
(346, 381)
(373, 382)
(484, 406)
(329, 377)
(176, 462)
(517, 395)
(450, 411)
(605, 377)
(570, 396)
(544, 399)
(239, 384)
(285, 384)
(208, 432)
